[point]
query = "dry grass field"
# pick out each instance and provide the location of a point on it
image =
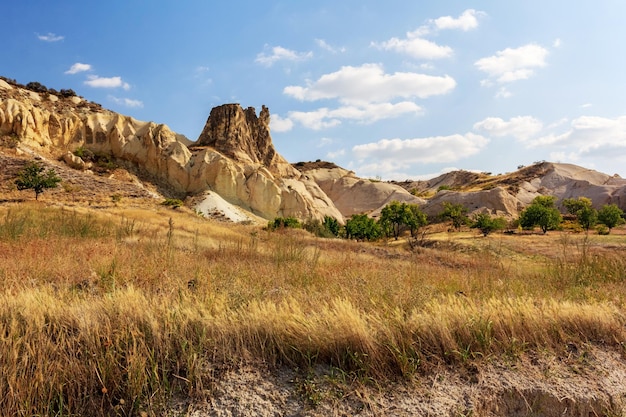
(116, 309)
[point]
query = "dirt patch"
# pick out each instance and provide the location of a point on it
(529, 386)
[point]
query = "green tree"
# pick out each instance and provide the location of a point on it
(582, 208)
(332, 225)
(394, 217)
(456, 213)
(610, 215)
(35, 177)
(362, 227)
(541, 212)
(417, 220)
(487, 224)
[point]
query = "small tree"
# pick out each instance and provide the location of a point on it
(487, 224)
(610, 215)
(582, 208)
(394, 217)
(456, 213)
(541, 212)
(34, 177)
(362, 227)
(417, 220)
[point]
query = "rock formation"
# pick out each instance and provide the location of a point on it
(233, 157)
(354, 195)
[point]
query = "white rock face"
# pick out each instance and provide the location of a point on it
(248, 172)
(354, 195)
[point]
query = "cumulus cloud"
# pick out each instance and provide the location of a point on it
(596, 138)
(278, 53)
(415, 47)
(466, 21)
(503, 92)
(50, 37)
(327, 47)
(522, 127)
(512, 64)
(438, 149)
(324, 117)
(106, 82)
(78, 67)
(415, 44)
(127, 102)
(280, 124)
(369, 83)
(336, 154)
(325, 142)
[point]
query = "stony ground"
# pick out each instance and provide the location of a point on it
(584, 383)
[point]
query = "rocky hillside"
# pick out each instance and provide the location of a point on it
(233, 166)
(233, 160)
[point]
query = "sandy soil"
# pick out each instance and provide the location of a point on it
(586, 382)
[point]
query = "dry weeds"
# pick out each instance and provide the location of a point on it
(115, 310)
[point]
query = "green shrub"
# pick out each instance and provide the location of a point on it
(602, 230)
(173, 203)
(284, 222)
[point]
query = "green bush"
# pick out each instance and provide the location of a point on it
(284, 222)
(329, 228)
(173, 203)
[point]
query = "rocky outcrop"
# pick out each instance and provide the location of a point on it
(241, 135)
(233, 157)
(354, 195)
(496, 201)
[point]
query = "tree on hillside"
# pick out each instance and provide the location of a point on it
(582, 208)
(456, 213)
(541, 212)
(610, 215)
(394, 217)
(34, 177)
(362, 227)
(487, 224)
(417, 220)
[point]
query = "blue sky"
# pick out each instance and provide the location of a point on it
(394, 89)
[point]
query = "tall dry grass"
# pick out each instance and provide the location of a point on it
(104, 314)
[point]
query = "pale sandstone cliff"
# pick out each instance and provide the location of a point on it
(233, 157)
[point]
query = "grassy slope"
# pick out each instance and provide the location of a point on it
(118, 308)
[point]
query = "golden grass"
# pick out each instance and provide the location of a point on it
(114, 312)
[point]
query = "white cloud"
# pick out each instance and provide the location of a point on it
(513, 64)
(278, 53)
(104, 82)
(78, 67)
(415, 47)
(369, 83)
(439, 149)
(557, 43)
(466, 21)
(324, 117)
(325, 142)
(327, 47)
(127, 102)
(336, 154)
(279, 124)
(415, 44)
(50, 37)
(521, 127)
(586, 105)
(503, 92)
(588, 135)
